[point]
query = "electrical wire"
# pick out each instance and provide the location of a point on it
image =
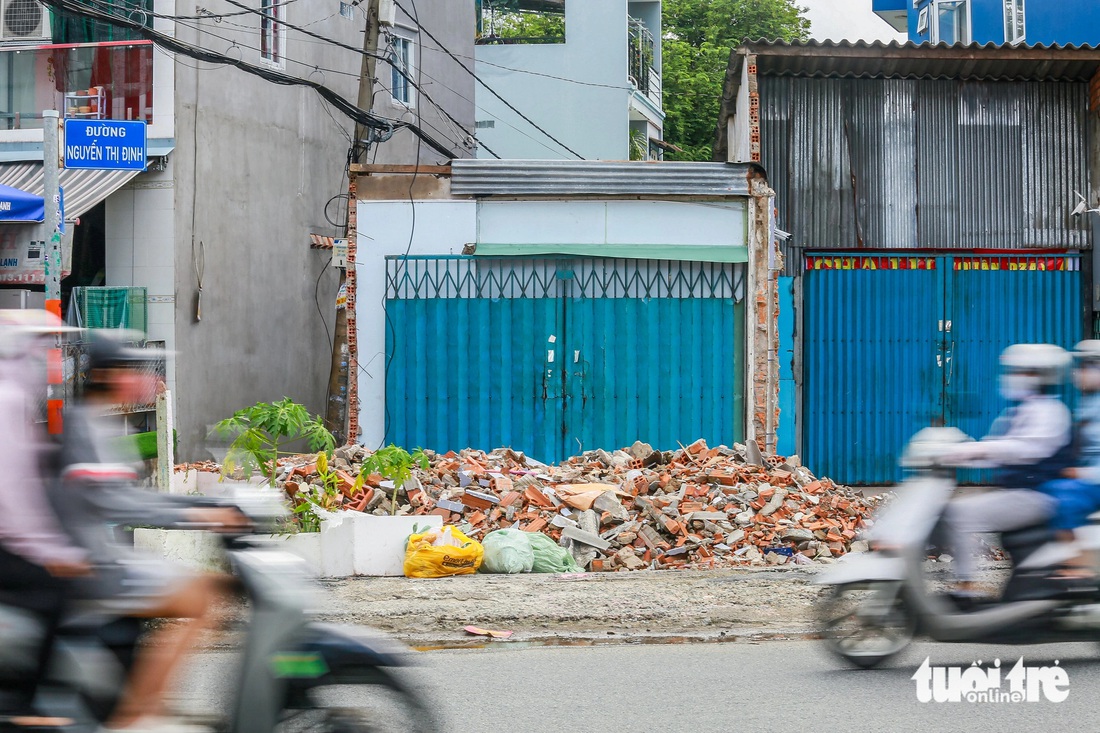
(627, 88)
(317, 301)
(419, 87)
(336, 100)
(385, 57)
(520, 130)
(300, 29)
(398, 123)
(421, 92)
(488, 88)
(283, 57)
(412, 236)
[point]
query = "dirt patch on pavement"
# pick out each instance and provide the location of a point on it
(692, 604)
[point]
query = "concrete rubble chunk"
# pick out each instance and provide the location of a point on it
(629, 559)
(773, 504)
(608, 502)
(705, 516)
(452, 506)
(796, 534)
(753, 456)
(586, 538)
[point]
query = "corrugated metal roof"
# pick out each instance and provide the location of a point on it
(909, 60)
(597, 178)
(83, 189)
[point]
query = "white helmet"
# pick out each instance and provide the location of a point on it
(1046, 361)
(1087, 351)
(1087, 374)
(1028, 369)
(20, 329)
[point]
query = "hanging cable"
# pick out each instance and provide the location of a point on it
(336, 100)
(488, 88)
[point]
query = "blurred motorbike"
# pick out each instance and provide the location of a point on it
(295, 673)
(877, 602)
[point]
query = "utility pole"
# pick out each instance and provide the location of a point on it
(51, 196)
(341, 372)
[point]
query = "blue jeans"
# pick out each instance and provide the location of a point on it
(1076, 501)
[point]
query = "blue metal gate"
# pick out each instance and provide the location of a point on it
(895, 343)
(556, 356)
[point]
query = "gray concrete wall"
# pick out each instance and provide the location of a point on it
(442, 78)
(590, 117)
(255, 164)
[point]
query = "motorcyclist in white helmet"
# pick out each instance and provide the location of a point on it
(38, 559)
(1078, 493)
(1028, 444)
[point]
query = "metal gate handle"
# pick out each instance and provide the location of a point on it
(948, 359)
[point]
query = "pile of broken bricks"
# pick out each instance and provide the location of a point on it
(630, 509)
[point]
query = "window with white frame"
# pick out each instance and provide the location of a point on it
(1014, 21)
(402, 63)
(951, 21)
(271, 31)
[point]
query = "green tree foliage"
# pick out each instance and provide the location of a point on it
(504, 21)
(698, 37)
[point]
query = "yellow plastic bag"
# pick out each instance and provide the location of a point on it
(440, 553)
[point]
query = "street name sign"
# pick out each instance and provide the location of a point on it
(112, 145)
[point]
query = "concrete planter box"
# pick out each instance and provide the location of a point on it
(208, 483)
(194, 548)
(353, 543)
(349, 543)
(306, 545)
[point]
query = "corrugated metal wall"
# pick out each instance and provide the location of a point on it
(872, 368)
(893, 349)
(924, 164)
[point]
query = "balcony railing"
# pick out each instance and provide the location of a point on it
(104, 81)
(642, 63)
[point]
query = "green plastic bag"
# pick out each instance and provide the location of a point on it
(550, 557)
(507, 551)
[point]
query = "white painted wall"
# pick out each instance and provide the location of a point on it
(612, 222)
(139, 240)
(590, 117)
(385, 228)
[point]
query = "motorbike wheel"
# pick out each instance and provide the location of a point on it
(359, 708)
(866, 624)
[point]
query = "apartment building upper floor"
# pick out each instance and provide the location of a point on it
(1044, 22)
(569, 79)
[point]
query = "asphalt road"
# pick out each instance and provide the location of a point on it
(736, 686)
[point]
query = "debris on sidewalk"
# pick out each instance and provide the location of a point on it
(629, 509)
(487, 632)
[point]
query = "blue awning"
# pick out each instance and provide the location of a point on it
(16, 205)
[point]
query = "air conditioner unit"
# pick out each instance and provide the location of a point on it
(24, 20)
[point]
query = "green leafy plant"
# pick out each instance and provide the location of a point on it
(395, 464)
(260, 431)
(326, 496)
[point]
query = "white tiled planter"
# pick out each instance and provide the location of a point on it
(191, 547)
(353, 543)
